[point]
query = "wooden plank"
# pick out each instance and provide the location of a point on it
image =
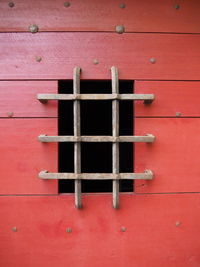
(147, 230)
(173, 157)
(88, 15)
(20, 98)
(23, 157)
(131, 53)
(171, 98)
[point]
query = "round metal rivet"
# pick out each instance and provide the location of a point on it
(120, 29)
(95, 61)
(11, 4)
(178, 224)
(14, 229)
(10, 114)
(33, 28)
(122, 5)
(178, 114)
(38, 59)
(177, 6)
(152, 60)
(69, 230)
(66, 4)
(123, 229)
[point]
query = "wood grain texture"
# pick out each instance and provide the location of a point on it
(23, 156)
(160, 230)
(20, 97)
(170, 98)
(94, 15)
(177, 55)
(173, 157)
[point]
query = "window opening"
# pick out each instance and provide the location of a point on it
(96, 120)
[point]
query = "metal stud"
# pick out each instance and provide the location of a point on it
(178, 114)
(33, 28)
(120, 29)
(95, 61)
(177, 6)
(10, 114)
(11, 4)
(68, 230)
(14, 229)
(152, 60)
(178, 224)
(123, 229)
(122, 5)
(38, 59)
(66, 4)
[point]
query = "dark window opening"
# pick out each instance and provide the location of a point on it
(96, 119)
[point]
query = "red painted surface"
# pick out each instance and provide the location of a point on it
(61, 52)
(170, 97)
(173, 157)
(23, 156)
(87, 15)
(20, 97)
(161, 217)
(161, 230)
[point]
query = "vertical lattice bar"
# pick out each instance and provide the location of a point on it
(115, 133)
(77, 133)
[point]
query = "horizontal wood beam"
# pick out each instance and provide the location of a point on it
(136, 55)
(88, 15)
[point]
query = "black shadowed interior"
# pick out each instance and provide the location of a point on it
(96, 119)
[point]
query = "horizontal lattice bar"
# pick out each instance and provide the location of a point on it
(147, 175)
(149, 138)
(142, 97)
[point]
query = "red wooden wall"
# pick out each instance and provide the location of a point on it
(157, 224)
